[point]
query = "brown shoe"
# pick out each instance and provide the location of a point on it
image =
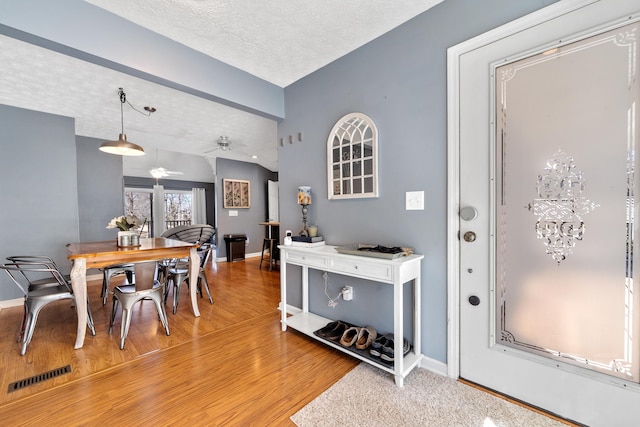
(350, 336)
(366, 336)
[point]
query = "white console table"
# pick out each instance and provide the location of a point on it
(394, 272)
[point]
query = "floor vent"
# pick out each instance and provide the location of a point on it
(18, 385)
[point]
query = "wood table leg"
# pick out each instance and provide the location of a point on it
(79, 285)
(194, 271)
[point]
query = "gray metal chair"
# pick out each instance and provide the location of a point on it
(36, 298)
(145, 287)
(179, 273)
(115, 270)
(40, 280)
(194, 233)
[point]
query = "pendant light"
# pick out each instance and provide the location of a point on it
(122, 147)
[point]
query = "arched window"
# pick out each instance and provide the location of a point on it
(352, 158)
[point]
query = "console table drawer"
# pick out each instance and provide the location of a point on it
(310, 260)
(374, 271)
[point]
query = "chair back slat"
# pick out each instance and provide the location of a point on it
(195, 233)
(25, 273)
(146, 274)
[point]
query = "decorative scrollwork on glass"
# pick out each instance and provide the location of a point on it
(507, 336)
(560, 206)
(622, 366)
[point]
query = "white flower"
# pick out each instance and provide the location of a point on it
(125, 223)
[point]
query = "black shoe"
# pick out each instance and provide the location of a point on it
(336, 334)
(388, 350)
(327, 328)
(379, 343)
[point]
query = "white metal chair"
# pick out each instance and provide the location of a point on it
(36, 298)
(145, 287)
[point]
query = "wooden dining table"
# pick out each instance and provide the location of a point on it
(85, 255)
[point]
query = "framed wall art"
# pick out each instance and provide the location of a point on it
(237, 193)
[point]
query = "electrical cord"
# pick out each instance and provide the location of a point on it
(333, 302)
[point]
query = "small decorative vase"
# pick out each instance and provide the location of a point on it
(128, 238)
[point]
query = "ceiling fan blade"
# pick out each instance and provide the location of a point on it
(162, 172)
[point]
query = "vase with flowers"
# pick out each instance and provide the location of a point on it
(127, 224)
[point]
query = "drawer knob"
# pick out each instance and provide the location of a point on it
(356, 267)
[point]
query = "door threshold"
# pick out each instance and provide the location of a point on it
(521, 403)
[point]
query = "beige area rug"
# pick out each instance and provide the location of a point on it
(368, 396)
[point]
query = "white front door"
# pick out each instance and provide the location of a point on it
(547, 138)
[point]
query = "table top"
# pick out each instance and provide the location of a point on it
(100, 254)
(269, 223)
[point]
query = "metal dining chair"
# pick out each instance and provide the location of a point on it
(179, 273)
(145, 287)
(112, 271)
(36, 298)
(41, 280)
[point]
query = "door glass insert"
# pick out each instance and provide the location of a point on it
(566, 135)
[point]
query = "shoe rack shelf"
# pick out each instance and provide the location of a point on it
(394, 272)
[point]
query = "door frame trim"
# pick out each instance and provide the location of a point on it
(453, 158)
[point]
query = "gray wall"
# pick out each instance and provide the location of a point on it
(247, 221)
(38, 190)
(399, 80)
(100, 190)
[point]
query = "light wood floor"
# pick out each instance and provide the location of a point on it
(231, 366)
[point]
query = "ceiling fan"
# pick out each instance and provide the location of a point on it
(222, 144)
(160, 172)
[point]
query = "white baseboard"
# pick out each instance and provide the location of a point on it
(251, 255)
(434, 366)
(11, 303)
(290, 309)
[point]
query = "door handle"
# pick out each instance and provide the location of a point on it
(469, 236)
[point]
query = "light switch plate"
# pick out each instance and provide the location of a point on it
(233, 213)
(415, 200)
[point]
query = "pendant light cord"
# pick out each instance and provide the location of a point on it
(123, 99)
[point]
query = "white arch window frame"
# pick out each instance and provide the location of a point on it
(352, 158)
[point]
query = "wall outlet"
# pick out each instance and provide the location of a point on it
(347, 293)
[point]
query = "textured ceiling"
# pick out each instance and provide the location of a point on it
(279, 41)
